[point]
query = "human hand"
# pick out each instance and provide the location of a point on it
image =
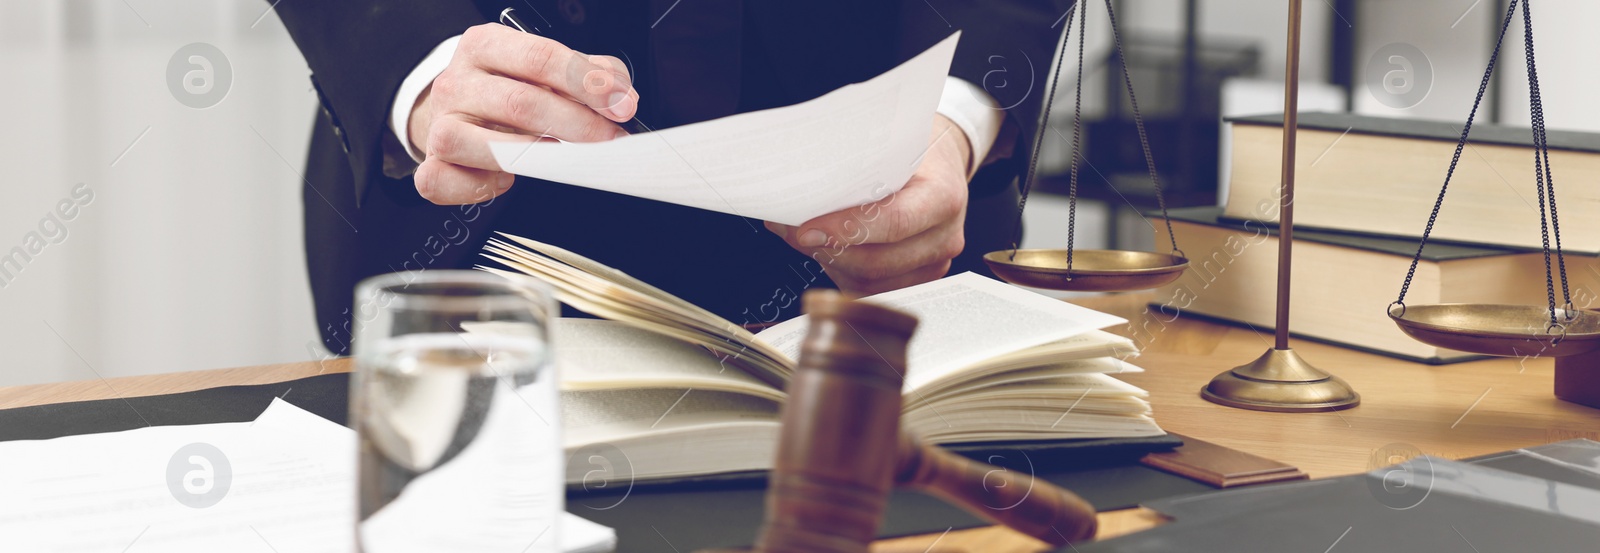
(905, 239)
(504, 85)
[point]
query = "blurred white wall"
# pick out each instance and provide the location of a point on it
(1454, 39)
(1566, 42)
(188, 255)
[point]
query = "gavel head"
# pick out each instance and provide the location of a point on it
(841, 423)
(845, 337)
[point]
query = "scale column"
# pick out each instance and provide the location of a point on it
(1280, 380)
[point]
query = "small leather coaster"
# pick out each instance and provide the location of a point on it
(1220, 466)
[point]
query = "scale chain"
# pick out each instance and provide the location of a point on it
(1044, 124)
(1542, 171)
(1544, 180)
(1534, 113)
(1077, 148)
(1466, 129)
(1077, 129)
(1138, 123)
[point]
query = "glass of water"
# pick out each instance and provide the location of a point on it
(455, 403)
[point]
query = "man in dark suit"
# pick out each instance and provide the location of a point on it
(399, 177)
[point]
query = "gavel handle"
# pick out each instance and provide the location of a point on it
(1022, 502)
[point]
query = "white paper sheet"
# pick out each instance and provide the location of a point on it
(290, 487)
(849, 147)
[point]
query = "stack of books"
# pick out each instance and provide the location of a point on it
(683, 392)
(1364, 189)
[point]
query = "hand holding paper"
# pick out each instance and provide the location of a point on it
(906, 239)
(506, 85)
(850, 147)
(852, 179)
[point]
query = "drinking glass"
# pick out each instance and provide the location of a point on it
(455, 404)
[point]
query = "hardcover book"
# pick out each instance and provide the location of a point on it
(682, 392)
(1343, 283)
(1378, 175)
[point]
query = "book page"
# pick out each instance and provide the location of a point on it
(606, 292)
(591, 417)
(963, 320)
(1042, 373)
(598, 354)
(767, 164)
(1090, 344)
(989, 425)
(619, 278)
(643, 435)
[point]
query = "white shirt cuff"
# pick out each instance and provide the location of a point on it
(975, 112)
(411, 88)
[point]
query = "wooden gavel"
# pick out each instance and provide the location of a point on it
(842, 448)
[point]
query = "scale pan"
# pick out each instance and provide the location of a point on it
(1092, 270)
(1503, 330)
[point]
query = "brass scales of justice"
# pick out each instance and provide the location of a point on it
(1088, 270)
(1507, 330)
(1280, 380)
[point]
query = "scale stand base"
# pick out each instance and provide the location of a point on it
(1280, 381)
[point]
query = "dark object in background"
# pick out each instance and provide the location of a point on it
(1180, 96)
(1179, 84)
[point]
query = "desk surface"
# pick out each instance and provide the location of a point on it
(1448, 411)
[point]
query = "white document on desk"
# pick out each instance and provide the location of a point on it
(287, 481)
(849, 147)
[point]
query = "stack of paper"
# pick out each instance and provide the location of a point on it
(284, 482)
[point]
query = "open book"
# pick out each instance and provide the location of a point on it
(681, 391)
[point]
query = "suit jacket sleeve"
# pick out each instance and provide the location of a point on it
(1006, 49)
(358, 52)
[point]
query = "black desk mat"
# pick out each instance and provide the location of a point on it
(326, 395)
(1358, 513)
(647, 517)
(657, 520)
(1382, 518)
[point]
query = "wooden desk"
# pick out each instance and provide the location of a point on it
(1451, 411)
